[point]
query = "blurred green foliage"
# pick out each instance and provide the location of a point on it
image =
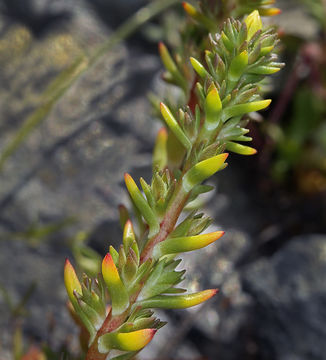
(297, 151)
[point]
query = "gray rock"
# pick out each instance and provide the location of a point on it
(290, 294)
(72, 164)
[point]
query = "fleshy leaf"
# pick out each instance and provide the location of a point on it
(114, 254)
(174, 126)
(129, 341)
(71, 281)
(177, 302)
(160, 155)
(240, 149)
(187, 243)
(254, 24)
(238, 66)
(117, 291)
(74, 290)
(161, 278)
(142, 205)
(128, 235)
(269, 11)
(202, 171)
(171, 66)
(199, 68)
(130, 269)
(198, 16)
(213, 108)
(241, 109)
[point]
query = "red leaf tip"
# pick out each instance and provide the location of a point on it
(107, 258)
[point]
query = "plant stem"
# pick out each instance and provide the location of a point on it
(167, 225)
(110, 324)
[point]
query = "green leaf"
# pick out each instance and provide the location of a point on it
(184, 244)
(171, 66)
(129, 341)
(114, 254)
(160, 155)
(213, 108)
(161, 278)
(174, 127)
(177, 302)
(254, 24)
(241, 109)
(240, 149)
(117, 290)
(198, 16)
(199, 68)
(129, 271)
(142, 205)
(202, 171)
(142, 272)
(238, 66)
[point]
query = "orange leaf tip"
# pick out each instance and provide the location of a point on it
(109, 270)
(178, 301)
(186, 243)
(270, 11)
(162, 133)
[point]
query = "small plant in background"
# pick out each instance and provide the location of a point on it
(296, 149)
(219, 86)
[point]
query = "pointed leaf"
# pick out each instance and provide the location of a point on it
(128, 235)
(184, 244)
(160, 155)
(269, 11)
(71, 281)
(213, 108)
(74, 289)
(177, 302)
(114, 254)
(130, 269)
(171, 66)
(117, 291)
(254, 24)
(199, 68)
(238, 66)
(240, 149)
(130, 341)
(196, 15)
(242, 109)
(174, 126)
(142, 205)
(202, 171)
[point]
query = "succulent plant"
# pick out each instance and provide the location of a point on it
(221, 84)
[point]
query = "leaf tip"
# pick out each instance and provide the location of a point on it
(161, 47)
(162, 133)
(71, 280)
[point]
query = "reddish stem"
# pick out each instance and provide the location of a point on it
(110, 324)
(168, 223)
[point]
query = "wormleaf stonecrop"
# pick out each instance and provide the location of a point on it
(143, 273)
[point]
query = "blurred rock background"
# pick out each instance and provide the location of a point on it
(66, 179)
